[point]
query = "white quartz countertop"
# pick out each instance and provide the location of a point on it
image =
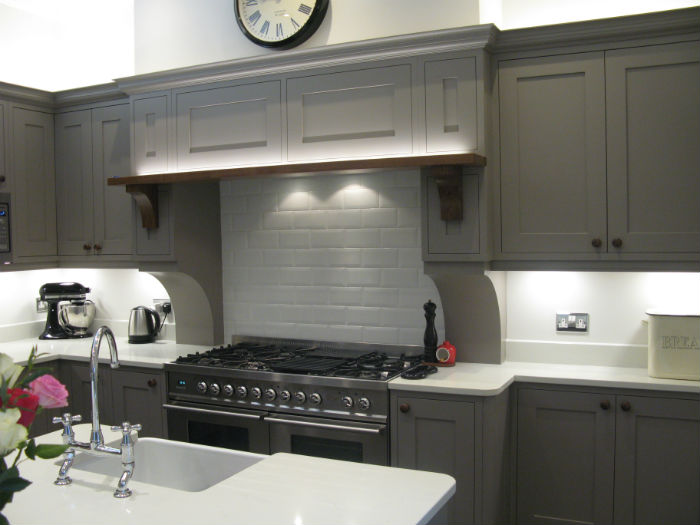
(487, 380)
(280, 489)
(149, 355)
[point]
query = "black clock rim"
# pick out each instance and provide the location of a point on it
(315, 19)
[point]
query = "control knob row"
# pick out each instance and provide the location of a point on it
(363, 403)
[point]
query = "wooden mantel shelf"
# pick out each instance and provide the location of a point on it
(445, 168)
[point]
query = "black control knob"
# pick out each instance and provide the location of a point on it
(270, 394)
(364, 403)
(256, 392)
(300, 397)
(202, 387)
(315, 398)
(285, 395)
(214, 389)
(347, 401)
(228, 390)
(241, 392)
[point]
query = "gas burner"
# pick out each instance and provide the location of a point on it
(254, 365)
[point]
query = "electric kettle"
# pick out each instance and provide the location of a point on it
(144, 325)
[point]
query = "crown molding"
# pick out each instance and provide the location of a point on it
(26, 95)
(88, 95)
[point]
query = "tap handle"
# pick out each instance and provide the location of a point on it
(67, 421)
(127, 427)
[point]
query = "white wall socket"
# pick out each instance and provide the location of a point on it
(572, 322)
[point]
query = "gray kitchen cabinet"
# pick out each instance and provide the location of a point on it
(4, 181)
(361, 113)
(150, 153)
(94, 219)
(566, 193)
(138, 396)
(77, 375)
(607, 457)
(653, 136)
(34, 184)
(452, 105)
(464, 437)
(228, 126)
(552, 125)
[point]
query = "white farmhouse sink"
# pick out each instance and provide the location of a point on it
(172, 464)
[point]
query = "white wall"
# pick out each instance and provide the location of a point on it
(114, 292)
(326, 258)
(615, 301)
(55, 45)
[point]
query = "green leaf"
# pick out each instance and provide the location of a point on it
(10, 473)
(30, 451)
(50, 451)
(14, 484)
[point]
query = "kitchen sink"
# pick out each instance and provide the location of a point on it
(172, 464)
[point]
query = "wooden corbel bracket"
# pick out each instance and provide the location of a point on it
(449, 183)
(146, 197)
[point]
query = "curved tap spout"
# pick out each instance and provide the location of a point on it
(96, 438)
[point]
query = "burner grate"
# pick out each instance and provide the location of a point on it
(308, 365)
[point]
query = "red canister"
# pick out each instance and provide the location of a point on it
(446, 354)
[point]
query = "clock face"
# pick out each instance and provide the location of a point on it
(279, 23)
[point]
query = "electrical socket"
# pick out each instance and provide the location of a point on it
(572, 322)
(161, 305)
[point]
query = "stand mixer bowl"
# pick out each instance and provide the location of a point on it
(76, 316)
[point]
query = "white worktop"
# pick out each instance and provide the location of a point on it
(149, 355)
(488, 380)
(280, 489)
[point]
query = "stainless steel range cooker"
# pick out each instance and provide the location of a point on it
(270, 395)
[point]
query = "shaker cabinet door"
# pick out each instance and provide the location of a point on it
(34, 183)
(137, 397)
(4, 186)
(653, 137)
(553, 154)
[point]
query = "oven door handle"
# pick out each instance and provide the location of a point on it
(367, 430)
(242, 415)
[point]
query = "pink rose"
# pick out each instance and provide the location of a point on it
(51, 393)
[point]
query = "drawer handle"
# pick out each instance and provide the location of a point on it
(626, 406)
(87, 246)
(98, 247)
(605, 405)
(151, 382)
(617, 242)
(404, 407)
(596, 243)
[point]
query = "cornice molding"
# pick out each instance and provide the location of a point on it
(88, 95)
(26, 95)
(651, 25)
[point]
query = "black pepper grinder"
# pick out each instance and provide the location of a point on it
(430, 338)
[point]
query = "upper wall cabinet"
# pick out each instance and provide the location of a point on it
(91, 146)
(229, 126)
(451, 105)
(653, 139)
(4, 183)
(359, 113)
(32, 168)
(565, 192)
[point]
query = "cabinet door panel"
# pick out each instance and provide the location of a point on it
(653, 111)
(552, 154)
(74, 201)
(34, 183)
(137, 398)
(564, 458)
(3, 157)
(350, 114)
(150, 129)
(439, 436)
(110, 153)
(451, 105)
(657, 463)
(80, 394)
(229, 126)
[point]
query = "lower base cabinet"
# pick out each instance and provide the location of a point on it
(132, 393)
(607, 456)
(465, 437)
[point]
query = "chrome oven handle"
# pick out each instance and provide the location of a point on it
(168, 406)
(367, 430)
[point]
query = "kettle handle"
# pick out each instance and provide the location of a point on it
(156, 319)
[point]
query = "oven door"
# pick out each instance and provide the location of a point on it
(329, 438)
(218, 426)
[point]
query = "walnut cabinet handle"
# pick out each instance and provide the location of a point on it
(151, 382)
(404, 407)
(626, 406)
(617, 242)
(596, 243)
(605, 405)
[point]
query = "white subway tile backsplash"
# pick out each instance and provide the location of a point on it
(330, 257)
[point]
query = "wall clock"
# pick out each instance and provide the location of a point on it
(280, 24)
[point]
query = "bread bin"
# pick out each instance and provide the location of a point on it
(674, 344)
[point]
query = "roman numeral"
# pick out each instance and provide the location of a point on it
(251, 3)
(295, 25)
(278, 30)
(253, 19)
(303, 8)
(265, 28)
